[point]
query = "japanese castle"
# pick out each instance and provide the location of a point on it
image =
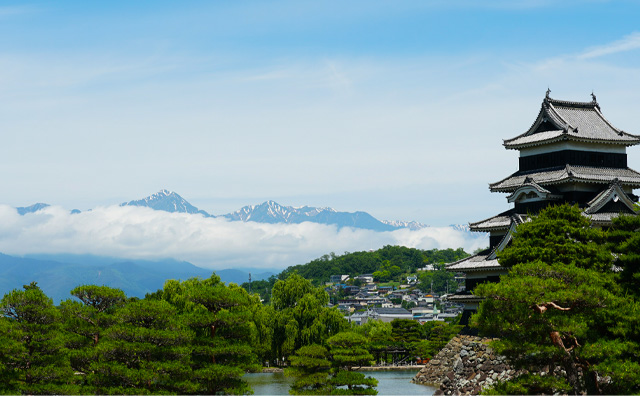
(570, 154)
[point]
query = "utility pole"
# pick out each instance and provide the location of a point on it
(249, 282)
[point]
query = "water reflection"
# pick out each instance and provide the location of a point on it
(389, 383)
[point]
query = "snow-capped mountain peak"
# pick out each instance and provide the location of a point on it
(272, 212)
(167, 201)
(461, 227)
(269, 212)
(412, 225)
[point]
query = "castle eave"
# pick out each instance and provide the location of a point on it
(544, 138)
(495, 223)
(476, 262)
(569, 173)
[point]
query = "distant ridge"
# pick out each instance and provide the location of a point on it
(58, 274)
(272, 212)
(167, 201)
(412, 225)
(269, 212)
(461, 227)
(23, 210)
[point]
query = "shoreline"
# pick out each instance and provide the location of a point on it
(416, 367)
(272, 370)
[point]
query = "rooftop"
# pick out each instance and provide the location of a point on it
(568, 173)
(501, 221)
(391, 311)
(560, 120)
(613, 199)
(476, 262)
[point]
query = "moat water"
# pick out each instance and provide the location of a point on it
(389, 383)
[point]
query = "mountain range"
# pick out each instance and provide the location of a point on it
(267, 212)
(58, 274)
(272, 212)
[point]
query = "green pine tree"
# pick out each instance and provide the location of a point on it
(146, 351)
(310, 367)
(33, 358)
(624, 242)
(222, 320)
(85, 322)
(348, 351)
(560, 306)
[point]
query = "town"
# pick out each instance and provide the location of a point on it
(361, 299)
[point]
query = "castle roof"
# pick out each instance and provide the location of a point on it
(613, 199)
(601, 210)
(477, 262)
(498, 222)
(528, 187)
(488, 259)
(560, 120)
(568, 173)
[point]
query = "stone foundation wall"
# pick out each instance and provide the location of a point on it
(465, 366)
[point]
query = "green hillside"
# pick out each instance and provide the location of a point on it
(407, 259)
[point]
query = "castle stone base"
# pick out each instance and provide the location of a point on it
(465, 366)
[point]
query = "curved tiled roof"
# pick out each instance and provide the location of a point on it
(534, 139)
(529, 184)
(487, 259)
(580, 121)
(498, 222)
(474, 263)
(604, 218)
(613, 193)
(462, 298)
(556, 175)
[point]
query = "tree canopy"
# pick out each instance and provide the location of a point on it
(197, 336)
(329, 371)
(392, 259)
(437, 281)
(221, 320)
(562, 305)
(33, 356)
(301, 316)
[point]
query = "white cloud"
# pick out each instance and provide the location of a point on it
(627, 43)
(216, 243)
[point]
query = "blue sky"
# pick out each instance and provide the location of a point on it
(394, 108)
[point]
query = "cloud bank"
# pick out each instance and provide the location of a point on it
(215, 243)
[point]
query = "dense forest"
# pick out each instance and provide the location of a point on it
(197, 336)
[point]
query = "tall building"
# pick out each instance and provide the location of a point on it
(570, 154)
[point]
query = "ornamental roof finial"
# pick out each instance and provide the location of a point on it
(548, 92)
(593, 96)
